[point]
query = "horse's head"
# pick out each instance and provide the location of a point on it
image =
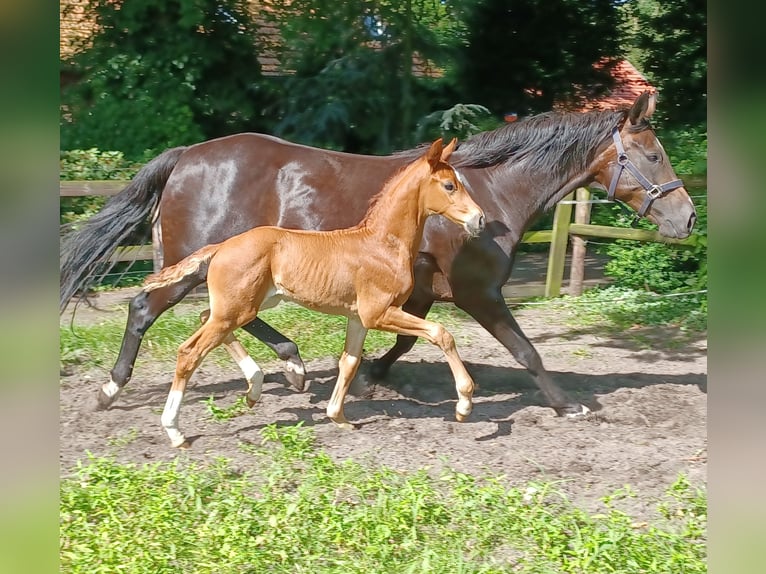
(635, 169)
(444, 192)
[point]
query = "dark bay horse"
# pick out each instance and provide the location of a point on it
(364, 273)
(210, 191)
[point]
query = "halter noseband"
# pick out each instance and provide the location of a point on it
(653, 191)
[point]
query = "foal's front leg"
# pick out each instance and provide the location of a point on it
(347, 367)
(397, 320)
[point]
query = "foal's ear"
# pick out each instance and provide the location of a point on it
(449, 148)
(643, 107)
(434, 153)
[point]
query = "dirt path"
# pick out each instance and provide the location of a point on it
(648, 386)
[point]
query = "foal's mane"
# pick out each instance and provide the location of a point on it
(394, 180)
(552, 141)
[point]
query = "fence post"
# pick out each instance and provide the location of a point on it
(557, 257)
(582, 215)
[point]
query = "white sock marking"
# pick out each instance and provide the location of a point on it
(170, 417)
(111, 389)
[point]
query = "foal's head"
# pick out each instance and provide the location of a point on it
(444, 192)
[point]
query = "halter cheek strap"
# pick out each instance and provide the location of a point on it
(653, 191)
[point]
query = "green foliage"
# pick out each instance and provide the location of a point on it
(222, 414)
(522, 55)
(460, 121)
(352, 85)
(619, 308)
(160, 73)
(670, 47)
(687, 149)
(302, 512)
(90, 165)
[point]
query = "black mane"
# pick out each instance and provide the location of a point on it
(553, 141)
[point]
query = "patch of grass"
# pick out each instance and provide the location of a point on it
(123, 439)
(316, 334)
(305, 513)
(620, 308)
(221, 414)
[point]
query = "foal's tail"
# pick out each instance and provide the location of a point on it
(195, 264)
(83, 250)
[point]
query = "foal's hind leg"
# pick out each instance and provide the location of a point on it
(494, 316)
(190, 355)
(143, 311)
(251, 370)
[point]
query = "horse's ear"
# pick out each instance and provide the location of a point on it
(643, 107)
(448, 149)
(434, 153)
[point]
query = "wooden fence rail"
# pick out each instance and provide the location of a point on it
(563, 230)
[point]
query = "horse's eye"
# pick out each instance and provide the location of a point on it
(449, 186)
(653, 157)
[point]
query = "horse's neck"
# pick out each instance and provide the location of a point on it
(545, 189)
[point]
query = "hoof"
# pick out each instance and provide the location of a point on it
(102, 401)
(296, 380)
(572, 411)
(461, 418)
(250, 402)
(181, 443)
(345, 425)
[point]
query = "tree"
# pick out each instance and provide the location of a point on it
(159, 73)
(352, 85)
(671, 42)
(524, 55)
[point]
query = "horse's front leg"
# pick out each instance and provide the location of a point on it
(396, 320)
(493, 314)
(284, 348)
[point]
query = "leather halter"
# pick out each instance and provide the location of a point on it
(653, 191)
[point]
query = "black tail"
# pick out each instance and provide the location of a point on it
(83, 250)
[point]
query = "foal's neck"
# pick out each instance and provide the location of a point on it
(398, 212)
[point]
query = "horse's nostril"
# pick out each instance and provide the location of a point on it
(481, 222)
(692, 221)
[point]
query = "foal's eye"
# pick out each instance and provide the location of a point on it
(449, 186)
(653, 157)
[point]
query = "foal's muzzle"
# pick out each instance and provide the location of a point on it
(475, 224)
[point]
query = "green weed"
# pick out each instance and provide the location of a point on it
(302, 512)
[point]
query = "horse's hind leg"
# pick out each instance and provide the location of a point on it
(251, 370)
(285, 349)
(143, 311)
(493, 314)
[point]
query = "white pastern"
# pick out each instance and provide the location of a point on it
(170, 417)
(254, 376)
(111, 389)
(294, 366)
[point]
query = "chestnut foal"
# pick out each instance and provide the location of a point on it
(364, 273)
